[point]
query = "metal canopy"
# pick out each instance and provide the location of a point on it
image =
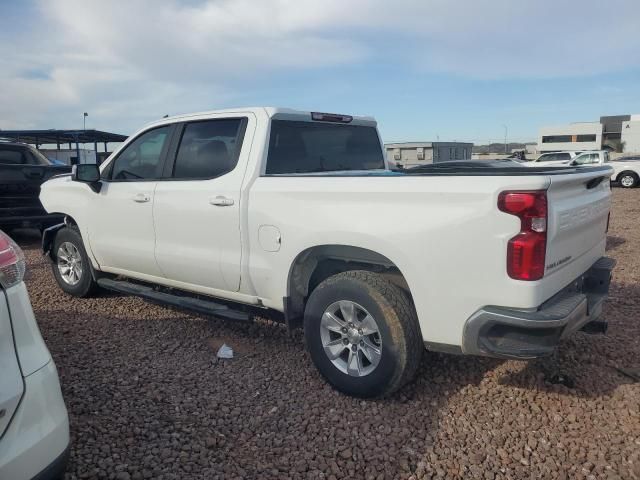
(42, 137)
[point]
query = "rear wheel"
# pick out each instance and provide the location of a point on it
(628, 179)
(363, 334)
(71, 265)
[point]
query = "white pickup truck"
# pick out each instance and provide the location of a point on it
(238, 212)
(626, 172)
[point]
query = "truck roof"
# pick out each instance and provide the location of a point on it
(278, 112)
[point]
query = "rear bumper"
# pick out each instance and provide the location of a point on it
(56, 469)
(524, 334)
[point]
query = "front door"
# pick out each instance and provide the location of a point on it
(197, 209)
(121, 233)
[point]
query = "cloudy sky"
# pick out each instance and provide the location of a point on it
(427, 69)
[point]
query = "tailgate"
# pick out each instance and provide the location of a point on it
(578, 209)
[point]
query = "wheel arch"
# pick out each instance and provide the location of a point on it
(49, 237)
(49, 234)
(314, 264)
(625, 172)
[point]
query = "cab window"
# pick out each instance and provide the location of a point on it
(586, 159)
(208, 149)
(142, 158)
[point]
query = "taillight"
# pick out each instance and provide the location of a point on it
(526, 251)
(12, 264)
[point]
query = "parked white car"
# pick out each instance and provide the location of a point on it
(241, 211)
(626, 171)
(34, 426)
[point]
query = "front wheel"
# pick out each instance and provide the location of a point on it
(71, 265)
(628, 179)
(362, 333)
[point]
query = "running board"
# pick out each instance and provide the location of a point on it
(205, 307)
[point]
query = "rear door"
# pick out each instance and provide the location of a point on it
(578, 209)
(198, 203)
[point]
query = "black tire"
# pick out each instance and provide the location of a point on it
(399, 332)
(86, 285)
(632, 179)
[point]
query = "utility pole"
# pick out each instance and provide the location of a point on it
(84, 128)
(505, 138)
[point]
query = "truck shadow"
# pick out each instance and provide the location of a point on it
(272, 388)
(27, 238)
(614, 242)
(271, 401)
(590, 365)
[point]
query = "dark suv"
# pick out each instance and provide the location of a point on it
(22, 170)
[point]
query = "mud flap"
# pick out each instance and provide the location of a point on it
(48, 235)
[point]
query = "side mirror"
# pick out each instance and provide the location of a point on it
(573, 163)
(87, 173)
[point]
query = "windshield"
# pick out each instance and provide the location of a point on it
(41, 158)
(554, 157)
(309, 147)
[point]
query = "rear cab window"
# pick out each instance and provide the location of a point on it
(21, 155)
(299, 147)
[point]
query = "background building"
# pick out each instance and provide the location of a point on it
(619, 133)
(573, 137)
(410, 154)
(612, 130)
(630, 135)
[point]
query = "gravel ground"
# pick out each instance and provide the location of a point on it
(147, 398)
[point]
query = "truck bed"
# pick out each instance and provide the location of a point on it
(456, 168)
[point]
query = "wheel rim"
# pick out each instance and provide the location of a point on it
(351, 338)
(627, 181)
(69, 263)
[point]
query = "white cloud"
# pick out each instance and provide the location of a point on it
(139, 59)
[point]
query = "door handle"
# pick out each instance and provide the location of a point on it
(141, 197)
(221, 201)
